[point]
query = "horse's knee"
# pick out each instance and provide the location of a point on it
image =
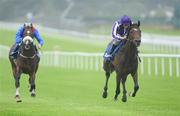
(107, 74)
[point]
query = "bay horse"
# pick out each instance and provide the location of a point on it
(27, 62)
(125, 63)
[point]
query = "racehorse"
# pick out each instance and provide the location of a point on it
(125, 62)
(27, 62)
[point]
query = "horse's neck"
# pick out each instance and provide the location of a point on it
(31, 35)
(130, 51)
(29, 52)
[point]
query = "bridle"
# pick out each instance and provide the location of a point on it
(135, 41)
(25, 41)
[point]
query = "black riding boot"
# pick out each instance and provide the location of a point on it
(13, 54)
(112, 49)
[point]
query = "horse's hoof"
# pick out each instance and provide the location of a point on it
(124, 99)
(115, 99)
(131, 94)
(33, 95)
(18, 99)
(104, 95)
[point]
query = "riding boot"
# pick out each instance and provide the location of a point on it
(112, 50)
(14, 52)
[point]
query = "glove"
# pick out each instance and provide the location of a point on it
(124, 37)
(39, 46)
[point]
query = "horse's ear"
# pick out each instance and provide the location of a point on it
(131, 23)
(139, 23)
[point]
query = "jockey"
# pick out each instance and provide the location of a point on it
(119, 34)
(19, 36)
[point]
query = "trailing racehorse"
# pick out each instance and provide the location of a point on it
(27, 62)
(125, 62)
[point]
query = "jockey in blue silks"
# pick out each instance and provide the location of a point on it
(19, 36)
(119, 34)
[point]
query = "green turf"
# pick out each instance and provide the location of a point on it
(76, 93)
(106, 29)
(66, 43)
(73, 92)
(61, 43)
(160, 30)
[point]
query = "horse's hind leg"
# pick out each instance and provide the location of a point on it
(124, 97)
(32, 85)
(118, 79)
(106, 85)
(136, 85)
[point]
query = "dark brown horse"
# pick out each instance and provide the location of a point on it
(27, 62)
(125, 63)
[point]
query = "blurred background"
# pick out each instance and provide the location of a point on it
(92, 15)
(70, 78)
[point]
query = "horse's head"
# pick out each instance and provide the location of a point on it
(28, 30)
(27, 43)
(134, 34)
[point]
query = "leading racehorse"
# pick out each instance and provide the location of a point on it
(27, 62)
(125, 63)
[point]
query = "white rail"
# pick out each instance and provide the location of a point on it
(152, 65)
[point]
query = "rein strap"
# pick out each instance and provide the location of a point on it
(31, 57)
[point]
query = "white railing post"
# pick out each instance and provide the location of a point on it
(162, 67)
(177, 67)
(170, 67)
(142, 66)
(156, 66)
(94, 62)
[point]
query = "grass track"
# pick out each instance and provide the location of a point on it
(58, 42)
(76, 93)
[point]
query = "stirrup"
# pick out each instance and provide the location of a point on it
(107, 55)
(12, 53)
(15, 61)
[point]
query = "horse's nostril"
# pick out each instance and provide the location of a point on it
(27, 47)
(138, 42)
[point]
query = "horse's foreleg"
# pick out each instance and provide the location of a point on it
(17, 85)
(106, 85)
(124, 97)
(32, 85)
(136, 85)
(118, 79)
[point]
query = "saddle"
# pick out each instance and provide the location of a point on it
(107, 55)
